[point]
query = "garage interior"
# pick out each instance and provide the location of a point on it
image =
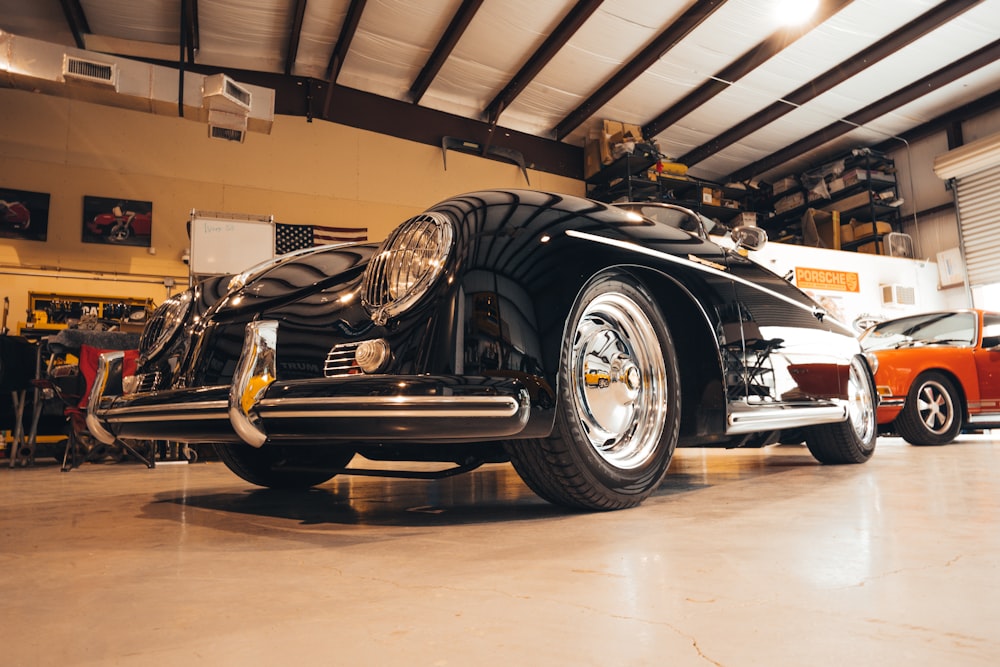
(354, 116)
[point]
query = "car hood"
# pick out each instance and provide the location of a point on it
(291, 278)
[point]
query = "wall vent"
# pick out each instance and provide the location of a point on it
(241, 95)
(219, 89)
(226, 133)
(91, 71)
(903, 295)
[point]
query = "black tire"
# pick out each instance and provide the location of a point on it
(932, 414)
(611, 445)
(263, 466)
(851, 441)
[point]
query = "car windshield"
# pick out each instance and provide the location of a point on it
(674, 217)
(930, 329)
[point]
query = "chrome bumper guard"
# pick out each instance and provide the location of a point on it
(745, 419)
(260, 407)
(105, 362)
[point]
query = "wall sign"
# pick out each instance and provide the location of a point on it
(826, 279)
(24, 214)
(117, 221)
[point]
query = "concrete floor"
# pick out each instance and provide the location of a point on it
(759, 557)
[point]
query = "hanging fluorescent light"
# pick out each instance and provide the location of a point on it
(794, 12)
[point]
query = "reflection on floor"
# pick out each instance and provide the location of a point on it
(757, 557)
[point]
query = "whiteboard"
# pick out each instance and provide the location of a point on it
(224, 243)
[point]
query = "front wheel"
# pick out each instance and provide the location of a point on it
(283, 466)
(612, 441)
(932, 412)
(120, 232)
(851, 441)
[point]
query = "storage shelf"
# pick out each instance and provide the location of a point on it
(859, 201)
(625, 178)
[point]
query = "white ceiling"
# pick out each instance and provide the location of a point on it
(394, 40)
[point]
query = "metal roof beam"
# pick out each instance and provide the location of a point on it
(834, 76)
(666, 40)
(77, 20)
(294, 35)
(572, 22)
(344, 40)
(740, 67)
(463, 17)
(928, 84)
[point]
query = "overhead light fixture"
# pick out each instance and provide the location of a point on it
(794, 12)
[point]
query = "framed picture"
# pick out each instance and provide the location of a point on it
(117, 221)
(24, 214)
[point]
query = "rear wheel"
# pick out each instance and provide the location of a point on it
(851, 441)
(283, 466)
(932, 414)
(612, 440)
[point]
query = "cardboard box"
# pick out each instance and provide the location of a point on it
(872, 248)
(615, 132)
(848, 203)
(783, 184)
(852, 176)
(788, 202)
(866, 229)
(711, 196)
(745, 219)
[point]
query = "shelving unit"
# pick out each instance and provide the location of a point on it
(627, 179)
(863, 192)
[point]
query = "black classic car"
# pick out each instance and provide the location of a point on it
(580, 341)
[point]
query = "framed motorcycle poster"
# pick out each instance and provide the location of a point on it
(24, 214)
(117, 221)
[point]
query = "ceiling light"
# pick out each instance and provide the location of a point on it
(794, 12)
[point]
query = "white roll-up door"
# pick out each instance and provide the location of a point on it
(975, 171)
(979, 215)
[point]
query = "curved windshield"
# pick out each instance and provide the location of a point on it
(918, 330)
(674, 216)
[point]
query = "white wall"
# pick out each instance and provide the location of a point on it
(301, 173)
(872, 271)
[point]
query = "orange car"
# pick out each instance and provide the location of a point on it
(936, 374)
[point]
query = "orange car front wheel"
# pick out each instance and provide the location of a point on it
(932, 414)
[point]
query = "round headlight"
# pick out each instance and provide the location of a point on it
(406, 266)
(166, 321)
(872, 360)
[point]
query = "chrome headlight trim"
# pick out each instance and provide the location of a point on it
(164, 324)
(406, 266)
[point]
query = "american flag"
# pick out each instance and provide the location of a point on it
(295, 237)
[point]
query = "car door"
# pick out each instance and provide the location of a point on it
(988, 364)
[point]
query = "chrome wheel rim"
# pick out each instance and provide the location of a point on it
(119, 232)
(620, 378)
(860, 403)
(934, 407)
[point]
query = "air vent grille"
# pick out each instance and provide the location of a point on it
(90, 70)
(904, 295)
(226, 133)
(241, 95)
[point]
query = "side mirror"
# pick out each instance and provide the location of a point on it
(751, 238)
(991, 342)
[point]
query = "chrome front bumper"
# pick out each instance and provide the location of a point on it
(258, 407)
